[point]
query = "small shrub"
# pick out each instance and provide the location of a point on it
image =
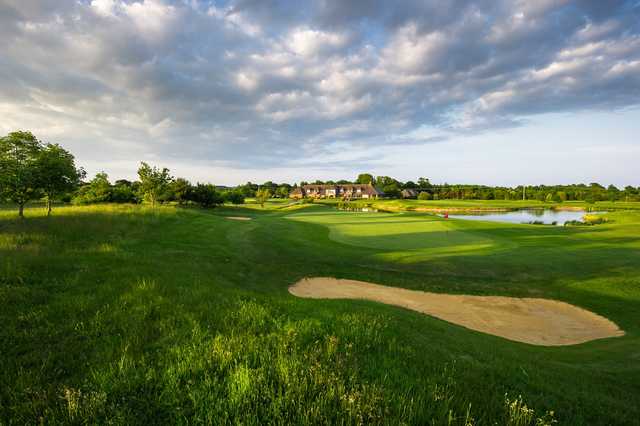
(588, 220)
(593, 219)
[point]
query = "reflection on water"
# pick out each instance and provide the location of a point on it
(548, 217)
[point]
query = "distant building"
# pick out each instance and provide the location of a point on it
(347, 191)
(409, 193)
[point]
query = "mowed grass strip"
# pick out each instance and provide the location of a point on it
(131, 315)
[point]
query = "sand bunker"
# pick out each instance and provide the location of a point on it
(238, 217)
(535, 321)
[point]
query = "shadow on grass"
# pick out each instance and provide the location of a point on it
(137, 317)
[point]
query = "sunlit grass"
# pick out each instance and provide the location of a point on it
(134, 315)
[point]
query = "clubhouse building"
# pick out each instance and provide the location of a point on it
(347, 191)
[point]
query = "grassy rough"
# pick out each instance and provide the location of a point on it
(129, 315)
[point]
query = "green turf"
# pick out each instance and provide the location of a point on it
(129, 315)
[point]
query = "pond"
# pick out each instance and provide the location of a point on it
(546, 216)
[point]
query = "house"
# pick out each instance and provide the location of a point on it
(346, 191)
(409, 193)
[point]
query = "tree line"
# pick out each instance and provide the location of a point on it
(33, 170)
(425, 190)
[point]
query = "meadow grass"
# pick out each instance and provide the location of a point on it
(133, 315)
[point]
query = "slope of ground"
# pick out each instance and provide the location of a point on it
(130, 315)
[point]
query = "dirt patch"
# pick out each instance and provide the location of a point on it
(530, 320)
(238, 218)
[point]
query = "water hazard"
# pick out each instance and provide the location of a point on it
(545, 216)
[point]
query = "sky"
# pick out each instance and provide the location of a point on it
(497, 92)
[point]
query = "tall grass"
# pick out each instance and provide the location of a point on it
(133, 315)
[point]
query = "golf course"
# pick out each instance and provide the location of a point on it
(133, 314)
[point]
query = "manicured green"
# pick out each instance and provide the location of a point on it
(133, 315)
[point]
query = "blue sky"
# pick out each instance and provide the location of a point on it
(468, 91)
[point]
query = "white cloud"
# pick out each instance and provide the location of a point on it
(105, 7)
(247, 81)
(152, 17)
(308, 42)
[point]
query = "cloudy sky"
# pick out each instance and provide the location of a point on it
(464, 91)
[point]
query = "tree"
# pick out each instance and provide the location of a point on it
(384, 181)
(283, 191)
(364, 178)
(205, 194)
(179, 189)
(19, 171)
(262, 195)
(391, 190)
(97, 191)
(424, 183)
(123, 193)
(248, 190)
(153, 182)
(234, 197)
(424, 196)
(57, 172)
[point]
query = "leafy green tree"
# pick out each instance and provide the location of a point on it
(424, 196)
(57, 172)
(386, 181)
(234, 197)
(392, 190)
(179, 189)
(424, 183)
(283, 191)
(97, 191)
(364, 178)
(123, 193)
(153, 182)
(262, 195)
(19, 170)
(205, 194)
(248, 189)
(272, 187)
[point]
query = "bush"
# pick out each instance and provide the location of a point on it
(233, 197)
(205, 195)
(424, 196)
(97, 191)
(123, 194)
(593, 219)
(587, 220)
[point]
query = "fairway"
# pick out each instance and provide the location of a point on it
(136, 315)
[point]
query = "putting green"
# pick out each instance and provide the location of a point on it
(398, 231)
